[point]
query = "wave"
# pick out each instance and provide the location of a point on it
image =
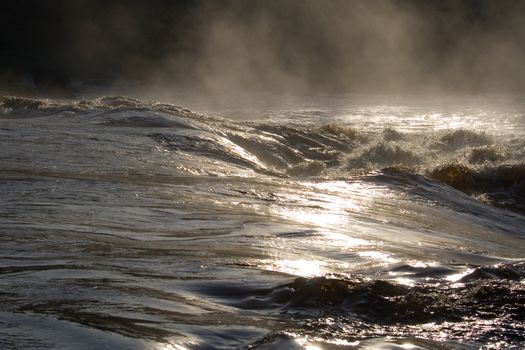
(18, 105)
(502, 185)
(486, 167)
(461, 138)
(363, 308)
(487, 288)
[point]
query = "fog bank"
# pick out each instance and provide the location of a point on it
(292, 46)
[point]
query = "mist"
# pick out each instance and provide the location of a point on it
(283, 47)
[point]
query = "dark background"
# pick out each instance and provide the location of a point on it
(273, 45)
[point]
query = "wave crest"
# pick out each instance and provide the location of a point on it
(462, 137)
(503, 185)
(478, 164)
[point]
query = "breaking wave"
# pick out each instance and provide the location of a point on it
(483, 166)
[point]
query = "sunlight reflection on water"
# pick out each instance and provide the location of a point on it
(457, 276)
(172, 347)
(300, 267)
(383, 257)
(329, 203)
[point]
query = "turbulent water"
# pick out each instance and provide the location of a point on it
(328, 223)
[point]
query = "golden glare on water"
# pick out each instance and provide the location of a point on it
(171, 347)
(329, 207)
(405, 278)
(306, 344)
(409, 346)
(315, 266)
(405, 281)
(316, 217)
(300, 267)
(328, 204)
(457, 276)
(310, 266)
(343, 241)
(383, 257)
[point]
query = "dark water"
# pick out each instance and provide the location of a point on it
(335, 223)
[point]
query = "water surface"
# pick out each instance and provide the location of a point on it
(338, 222)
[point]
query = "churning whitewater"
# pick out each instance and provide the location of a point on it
(326, 224)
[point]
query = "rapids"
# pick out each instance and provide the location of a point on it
(344, 222)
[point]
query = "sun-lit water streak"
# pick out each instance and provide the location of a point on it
(299, 267)
(457, 276)
(328, 204)
(380, 256)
